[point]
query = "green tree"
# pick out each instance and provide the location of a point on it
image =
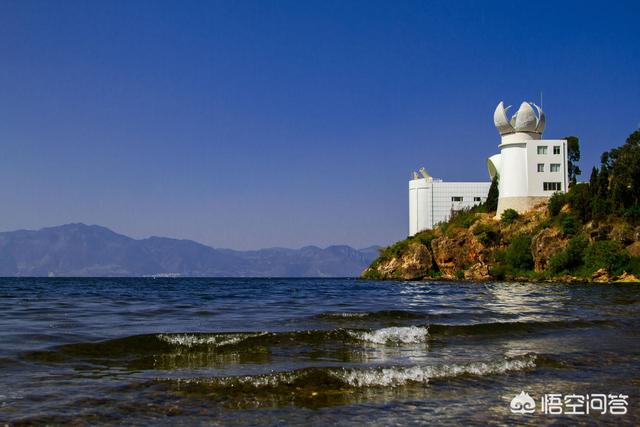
(491, 204)
(518, 255)
(581, 201)
(624, 172)
(573, 157)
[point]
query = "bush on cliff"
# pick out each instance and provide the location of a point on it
(463, 218)
(509, 216)
(632, 215)
(571, 258)
(556, 203)
(487, 234)
(569, 224)
(518, 254)
(607, 254)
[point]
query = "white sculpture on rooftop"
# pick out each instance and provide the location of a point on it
(524, 120)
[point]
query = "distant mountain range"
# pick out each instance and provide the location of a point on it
(91, 250)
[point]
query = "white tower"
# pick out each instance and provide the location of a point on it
(529, 168)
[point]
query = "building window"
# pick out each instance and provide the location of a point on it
(456, 199)
(555, 167)
(552, 186)
(542, 149)
(556, 149)
(540, 166)
(476, 199)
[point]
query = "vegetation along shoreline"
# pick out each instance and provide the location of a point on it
(589, 234)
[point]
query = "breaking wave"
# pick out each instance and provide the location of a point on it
(397, 335)
(209, 340)
(354, 378)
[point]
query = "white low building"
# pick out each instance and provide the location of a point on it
(529, 169)
(432, 200)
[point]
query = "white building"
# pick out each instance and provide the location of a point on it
(530, 169)
(431, 200)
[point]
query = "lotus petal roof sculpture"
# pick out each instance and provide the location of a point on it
(524, 120)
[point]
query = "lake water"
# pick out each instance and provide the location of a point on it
(312, 351)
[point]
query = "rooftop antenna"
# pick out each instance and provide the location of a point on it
(541, 100)
(424, 173)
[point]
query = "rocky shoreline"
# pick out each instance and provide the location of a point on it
(529, 247)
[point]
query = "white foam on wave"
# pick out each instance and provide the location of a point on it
(393, 376)
(347, 314)
(192, 340)
(398, 376)
(395, 334)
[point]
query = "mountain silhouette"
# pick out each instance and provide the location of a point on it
(81, 250)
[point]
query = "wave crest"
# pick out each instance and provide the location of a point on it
(395, 334)
(356, 378)
(212, 340)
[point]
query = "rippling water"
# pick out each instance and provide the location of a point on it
(302, 352)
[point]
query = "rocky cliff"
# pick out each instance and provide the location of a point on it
(532, 246)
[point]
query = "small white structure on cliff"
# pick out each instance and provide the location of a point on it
(529, 169)
(431, 200)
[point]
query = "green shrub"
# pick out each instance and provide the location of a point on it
(546, 223)
(569, 224)
(607, 254)
(509, 216)
(462, 219)
(425, 237)
(518, 255)
(633, 266)
(556, 202)
(632, 215)
(571, 258)
(498, 272)
(395, 250)
(487, 234)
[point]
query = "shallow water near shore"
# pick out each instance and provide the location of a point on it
(310, 351)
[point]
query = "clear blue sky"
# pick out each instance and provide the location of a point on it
(271, 123)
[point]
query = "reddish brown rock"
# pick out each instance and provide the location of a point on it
(546, 244)
(415, 263)
(478, 272)
(627, 278)
(601, 276)
(453, 254)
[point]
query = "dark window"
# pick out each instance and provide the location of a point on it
(476, 199)
(456, 199)
(556, 149)
(552, 186)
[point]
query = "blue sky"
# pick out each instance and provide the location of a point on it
(274, 123)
